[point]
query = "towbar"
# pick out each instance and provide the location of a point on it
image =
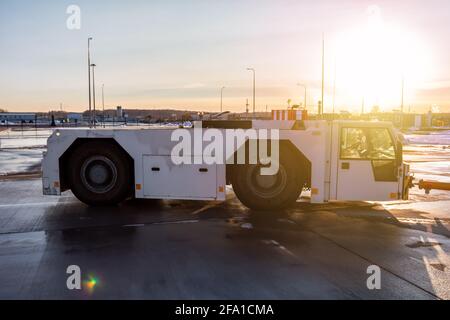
(436, 185)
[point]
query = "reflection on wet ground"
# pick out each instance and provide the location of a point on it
(188, 249)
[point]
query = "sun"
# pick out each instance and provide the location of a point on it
(373, 60)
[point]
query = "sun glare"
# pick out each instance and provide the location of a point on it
(373, 60)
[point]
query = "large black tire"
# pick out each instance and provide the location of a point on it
(264, 193)
(100, 173)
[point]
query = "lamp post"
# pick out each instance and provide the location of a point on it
(323, 76)
(304, 87)
(89, 78)
(221, 98)
(334, 86)
(403, 101)
(93, 89)
(103, 104)
(363, 105)
(254, 90)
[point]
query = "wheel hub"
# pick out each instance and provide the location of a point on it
(98, 174)
(266, 182)
(267, 186)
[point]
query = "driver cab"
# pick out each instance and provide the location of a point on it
(369, 161)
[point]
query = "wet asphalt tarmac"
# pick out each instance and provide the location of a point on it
(145, 249)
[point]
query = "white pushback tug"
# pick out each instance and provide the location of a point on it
(336, 160)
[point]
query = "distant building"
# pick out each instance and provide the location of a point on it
(441, 119)
(17, 117)
(119, 112)
(72, 117)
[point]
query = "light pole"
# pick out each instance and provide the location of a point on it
(254, 90)
(93, 88)
(403, 94)
(363, 105)
(304, 87)
(403, 101)
(334, 86)
(103, 104)
(89, 79)
(323, 75)
(221, 98)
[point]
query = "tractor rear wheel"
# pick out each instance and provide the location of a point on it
(100, 173)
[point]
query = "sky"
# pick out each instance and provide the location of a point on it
(178, 54)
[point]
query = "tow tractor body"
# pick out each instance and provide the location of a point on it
(336, 160)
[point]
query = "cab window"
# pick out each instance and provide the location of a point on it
(367, 143)
(353, 143)
(381, 144)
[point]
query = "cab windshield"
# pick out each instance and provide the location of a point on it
(367, 143)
